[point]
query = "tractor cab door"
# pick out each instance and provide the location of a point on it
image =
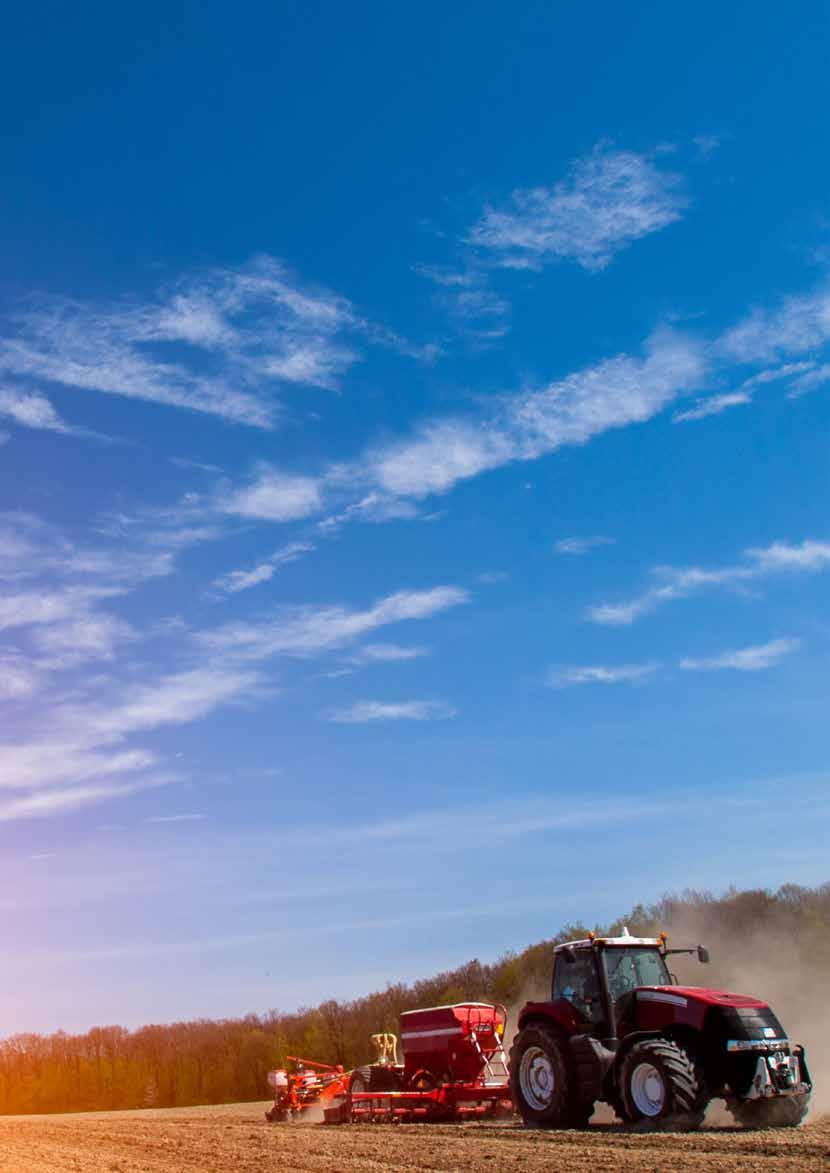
(576, 979)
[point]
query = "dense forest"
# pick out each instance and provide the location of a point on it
(773, 944)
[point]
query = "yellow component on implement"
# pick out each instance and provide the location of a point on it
(387, 1048)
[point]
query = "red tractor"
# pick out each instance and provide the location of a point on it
(618, 1028)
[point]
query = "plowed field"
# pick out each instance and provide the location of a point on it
(236, 1139)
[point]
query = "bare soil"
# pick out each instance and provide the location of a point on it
(236, 1139)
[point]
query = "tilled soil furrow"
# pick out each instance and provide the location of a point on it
(235, 1139)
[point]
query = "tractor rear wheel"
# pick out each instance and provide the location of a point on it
(778, 1112)
(540, 1079)
(660, 1084)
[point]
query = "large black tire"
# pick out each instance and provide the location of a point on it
(541, 1080)
(660, 1085)
(779, 1112)
(374, 1078)
(360, 1080)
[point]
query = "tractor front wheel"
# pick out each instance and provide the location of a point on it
(778, 1112)
(540, 1081)
(659, 1084)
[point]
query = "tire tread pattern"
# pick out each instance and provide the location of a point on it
(686, 1101)
(565, 1111)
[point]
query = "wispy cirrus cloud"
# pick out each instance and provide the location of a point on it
(680, 582)
(797, 325)
(797, 372)
(221, 342)
(93, 635)
(713, 405)
(810, 381)
(524, 426)
(30, 410)
(601, 674)
(389, 479)
(775, 374)
(272, 495)
(579, 546)
(609, 200)
(57, 592)
(386, 653)
(82, 756)
(33, 607)
(18, 677)
(42, 804)
(751, 659)
(366, 712)
(243, 580)
(470, 301)
(307, 631)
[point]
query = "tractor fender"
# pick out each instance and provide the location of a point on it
(631, 1040)
(686, 1038)
(559, 1014)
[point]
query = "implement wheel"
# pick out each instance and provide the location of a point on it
(540, 1079)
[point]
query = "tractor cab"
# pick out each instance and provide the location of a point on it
(595, 977)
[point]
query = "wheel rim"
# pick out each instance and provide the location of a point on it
(536, 1078)
(648, 1090)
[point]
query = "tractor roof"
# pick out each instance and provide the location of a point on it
(625, 938)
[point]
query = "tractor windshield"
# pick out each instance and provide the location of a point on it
(629, 966)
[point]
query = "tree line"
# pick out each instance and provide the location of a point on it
(779, 941)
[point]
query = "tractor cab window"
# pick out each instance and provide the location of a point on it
(627, 967)
(577, 982)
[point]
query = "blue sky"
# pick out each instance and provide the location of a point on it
(414, 486)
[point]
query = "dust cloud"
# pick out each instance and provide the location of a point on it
(768, 964)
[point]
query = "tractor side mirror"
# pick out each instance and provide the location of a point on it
(702, 955)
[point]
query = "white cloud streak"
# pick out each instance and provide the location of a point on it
(797, 325)
(306, 631)
(387, 653)
(611, 394)
(243, 580)
(678, 583)
(714, 405)
(609, 200)
(367, 712)
(251, 329)
(774, 374)
(273, 496)
(49, 803)
(579, 546)
(601, 674)
(811, 381)
(30, 410)
(472, 304)
(80, 755)
(18, 678)
(752, 659)
(85, 636)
